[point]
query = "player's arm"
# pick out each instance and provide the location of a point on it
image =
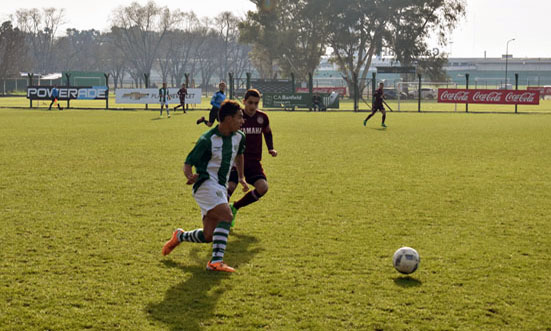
(191, 177)
(240, 166)
(268, 137)
(193, 158)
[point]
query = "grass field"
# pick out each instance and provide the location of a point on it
(88, 197)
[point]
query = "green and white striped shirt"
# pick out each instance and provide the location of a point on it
(214, 154)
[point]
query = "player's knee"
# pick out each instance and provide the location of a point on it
(262, 188)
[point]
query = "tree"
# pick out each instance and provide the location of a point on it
(13, 51)
(139, 31)
(286, 36)
(79, 50)
(40, 28)
(360, 29)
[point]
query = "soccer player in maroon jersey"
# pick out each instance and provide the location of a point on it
(378, 104)
(256, 124)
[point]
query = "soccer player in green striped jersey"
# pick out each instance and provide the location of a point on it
(212, 157)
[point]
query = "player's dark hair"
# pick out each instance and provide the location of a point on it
(228, 108)
(252, 93)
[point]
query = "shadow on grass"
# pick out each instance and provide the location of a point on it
(189, 305)
(407, 281)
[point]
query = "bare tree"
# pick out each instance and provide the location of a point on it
(41, 27)
(139, 32)
(113, 59)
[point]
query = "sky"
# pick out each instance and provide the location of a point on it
(487, 26)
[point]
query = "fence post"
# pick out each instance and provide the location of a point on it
(230, 87)
(30, 75)
(467, 87)
(419, 89)
(68, 76)
(355, 84)
(293, 83)
(146, 82)
(249, 80)
(516, 86)
(186, 75)
(106, 92)
(373, 87)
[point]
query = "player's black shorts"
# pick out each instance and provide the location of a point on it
(378, 107)
(213, 115)
(253, 172)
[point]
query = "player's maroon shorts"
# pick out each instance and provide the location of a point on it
(253, 172)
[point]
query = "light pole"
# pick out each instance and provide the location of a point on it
(507, 61)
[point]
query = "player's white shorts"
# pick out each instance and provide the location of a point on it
(209, 195)
(165, 103)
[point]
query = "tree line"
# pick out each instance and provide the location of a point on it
(280, 37)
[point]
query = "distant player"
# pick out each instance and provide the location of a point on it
(256, 124)
(182, 93)
(212, 158)
(216, 101)
(163, 99)
(54, 98)
(378, 104)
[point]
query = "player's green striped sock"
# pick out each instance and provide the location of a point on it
(194, 236)
(219, 241)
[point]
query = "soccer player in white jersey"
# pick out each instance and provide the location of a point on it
(212, 157)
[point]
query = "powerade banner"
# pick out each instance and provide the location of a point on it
(68, 93)
(496, 97)
(298, 100)
(151, 96)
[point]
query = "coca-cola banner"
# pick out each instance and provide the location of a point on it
(497, 97)
(544, 90)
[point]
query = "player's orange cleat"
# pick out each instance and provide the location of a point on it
(219, 266)
(172, 243)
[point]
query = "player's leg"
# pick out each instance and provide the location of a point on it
(51, 103)
(216, 227)
(232, 182)
(167, 109)
(384, 117)
(213, 115)
(162, 109)
(254, 173)
(370, 115)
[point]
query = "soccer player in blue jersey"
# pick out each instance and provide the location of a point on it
(54, 98)
(216, 101)
(212, 157)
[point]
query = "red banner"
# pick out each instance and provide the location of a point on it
(544, 90)
(339, 90)
(496, 97)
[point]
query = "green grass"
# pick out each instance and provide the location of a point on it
(90, 196)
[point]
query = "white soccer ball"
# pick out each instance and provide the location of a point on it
(406, 260)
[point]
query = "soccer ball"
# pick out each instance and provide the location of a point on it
(406, 260)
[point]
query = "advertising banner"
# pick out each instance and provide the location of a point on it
(298, 100)
(339, 90)
(68, 93)
(544, 90)
(496, 97)
(151, 96)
